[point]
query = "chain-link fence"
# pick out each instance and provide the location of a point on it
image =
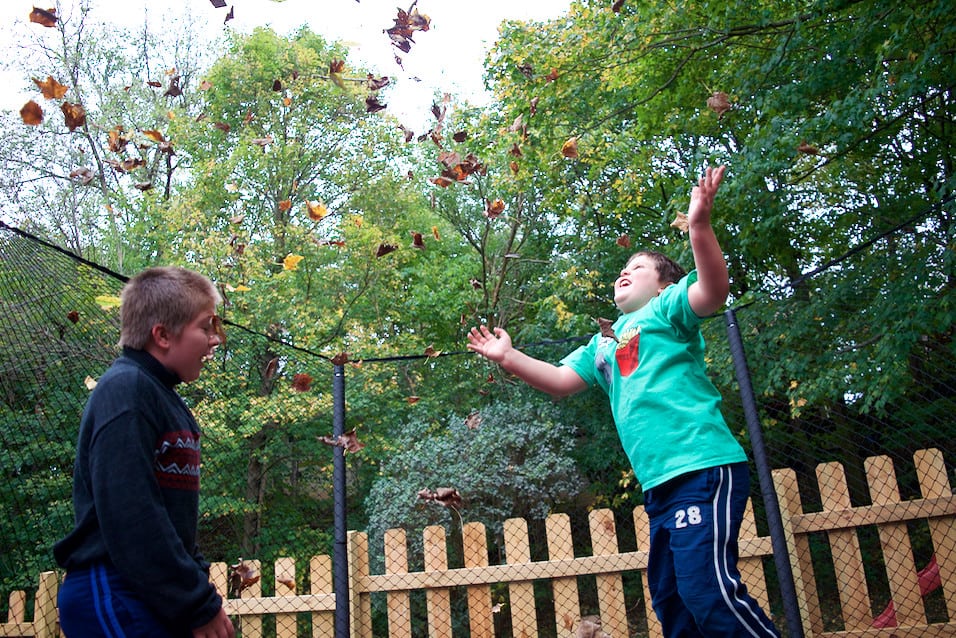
(853, 385)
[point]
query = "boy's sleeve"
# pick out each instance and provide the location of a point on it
(582, 361)
(676, 305)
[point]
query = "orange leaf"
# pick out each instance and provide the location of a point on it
(285, 205)
(570, 148)
(624, 241)
(74, 114)
(46, 18)
(680, 223)
(302, 382)
(317, 210)
(155, 136)
(718, 103)
(31, 113)
(494, 209)
(435, 233)
(50, 88)
(808, 149)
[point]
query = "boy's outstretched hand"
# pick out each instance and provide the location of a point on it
(491, 345)
(702, 196)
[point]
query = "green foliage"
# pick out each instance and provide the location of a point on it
(513, 463)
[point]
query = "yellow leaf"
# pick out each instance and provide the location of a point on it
(89, 382)
(317, 210)
(291, 262)
(106, 302)
(243, 288)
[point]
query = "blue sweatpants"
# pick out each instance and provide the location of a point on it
(692, 568)
(96, 602)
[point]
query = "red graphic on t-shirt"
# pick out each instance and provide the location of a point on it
(627, 353)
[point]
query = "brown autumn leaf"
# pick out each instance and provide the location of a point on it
(219, 4)
(384, 249)
(447, 496)
(143, 186)
(624, 241)
(417, 241)
(340, 359)
(406, 23)
(31, 113)
(223, 126)
(412, 400)
(155, 136)
(285, 205)
(606, 329)
(444, 182)
(616, 6)
(493, 209)
(173, 89)
(154, 84)
(551, 77)
(570, 148)
(73, 316)
(74, 114)
(374, 84)
(473, 420)
(718, 103)
(348, 441)
(431, 352)
(515, 150)
(117, 141)
(242, 576)
(808, 149)
(317, 210)
(373, 105)
(50, 88)
(513, 165)
(460, 136)
(681, 223)
(230, 15)
(43, 17)
(301, 382)
(83, 175)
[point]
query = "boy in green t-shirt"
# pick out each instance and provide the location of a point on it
(667, 412)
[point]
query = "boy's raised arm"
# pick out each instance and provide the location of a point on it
(495, 345)
(709, 293)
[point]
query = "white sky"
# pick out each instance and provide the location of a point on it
(447, 58)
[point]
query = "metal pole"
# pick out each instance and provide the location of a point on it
(340, 567)
(765, 479)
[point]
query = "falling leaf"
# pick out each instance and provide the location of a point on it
(616, 7)
(533, 106)
(336, 67)
(513, 166)
(291, 262)
(46, 18)
(551, 77)
(417, 241)
(570, 148)
(74, 114)
(624, 241)
(493, 209)
(286, 581)
(231, 187)
(431, 352)
(375, 84)
(205, 85)
(241, 577)
(406, 23)
(301, 382)
(515, 150)
(285, 205)
(681, 223)
(73, 316)
(527, 70)
(412, 400)
(516, 125)
(173, 90)
(372, 105)
(473, 420)
(477, 285)
(317, 210)
(808, 149)
(117, 141)
(223, 126)
(606, 329)
(435, 233)
(444, 182)
(230, 15)
(718, 103)
(143, 186)
(155, 136)
(348, 441)
(31, 113)
(384, 249)
(340, 359)
(50, 88)
(219, 4)
(89, 382)
(447, 496)
(460, 136)
(262, 141)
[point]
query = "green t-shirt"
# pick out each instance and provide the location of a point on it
(665, 407)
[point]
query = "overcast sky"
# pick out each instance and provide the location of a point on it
(447, 58)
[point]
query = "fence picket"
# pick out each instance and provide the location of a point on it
(751, 569)
(567, 612)
(475, 549)
(845, 545)
(610, 587)
(284, 585)
(895, 542)
(520, 594)
(438, 599)
(320, 581)
(398, 603)
(934, 483)
(642, 530)
(798, 548)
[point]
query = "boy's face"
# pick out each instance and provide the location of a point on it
(638, 283)
(190, 349)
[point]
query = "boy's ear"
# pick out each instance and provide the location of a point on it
(160, 335)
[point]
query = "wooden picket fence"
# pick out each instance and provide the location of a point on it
(476, 581)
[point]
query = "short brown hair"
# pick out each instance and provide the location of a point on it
(166, 295)
(668, 269)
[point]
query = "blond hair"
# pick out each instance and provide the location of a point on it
(166, 295)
